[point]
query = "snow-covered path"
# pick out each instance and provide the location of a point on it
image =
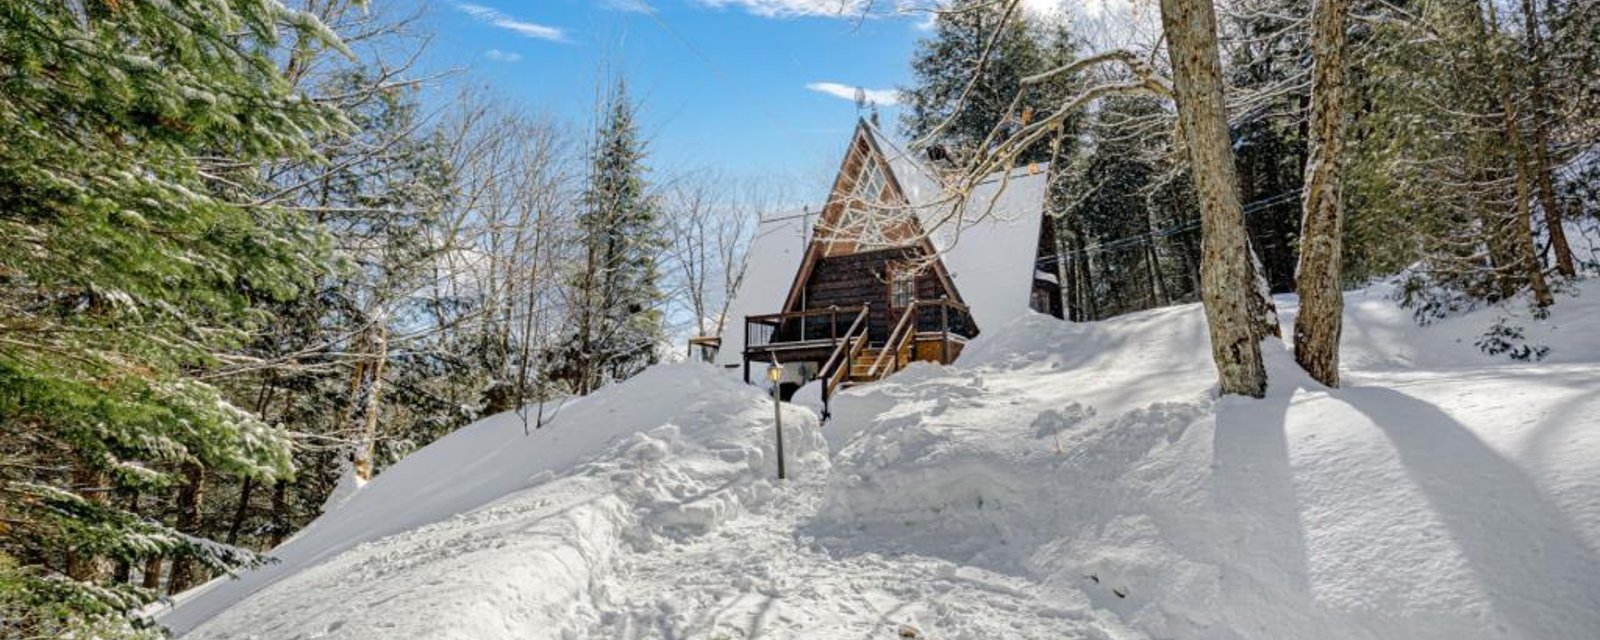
(759, 577)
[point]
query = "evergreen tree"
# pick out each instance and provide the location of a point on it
(1268, 71)
(616, 315)
(131, 255)
(956, 87)
(1111, 204)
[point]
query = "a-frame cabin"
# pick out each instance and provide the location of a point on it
(891, 270)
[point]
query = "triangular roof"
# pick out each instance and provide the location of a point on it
(986, 249)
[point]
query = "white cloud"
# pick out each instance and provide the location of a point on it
(794, 8)
(502, 56)
(629, 6)
(881, 97)
(529, 29)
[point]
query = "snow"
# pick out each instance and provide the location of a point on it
(491, 533)
(1060, 481)
(771, 264)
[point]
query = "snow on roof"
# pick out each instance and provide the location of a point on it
(771, 263)
(990, 247)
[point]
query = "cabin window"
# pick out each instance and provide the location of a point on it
(902, 286)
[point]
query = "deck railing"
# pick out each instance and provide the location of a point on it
(813, 325)
(947, 318)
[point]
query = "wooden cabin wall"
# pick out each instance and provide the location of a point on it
(1048, 259)
(850, 280)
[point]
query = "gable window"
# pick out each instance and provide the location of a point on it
(902, 286)
(869, 189)
(869, 220)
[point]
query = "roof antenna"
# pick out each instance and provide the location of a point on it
(861, 100)
(874, 117)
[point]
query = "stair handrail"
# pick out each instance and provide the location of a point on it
(894, 345)
(854, 338)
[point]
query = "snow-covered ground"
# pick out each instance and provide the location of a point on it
(1062, 481)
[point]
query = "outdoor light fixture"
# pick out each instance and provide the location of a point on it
(774, 374)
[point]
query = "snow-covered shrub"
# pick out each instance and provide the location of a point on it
(1429, 300)
(1508, 339)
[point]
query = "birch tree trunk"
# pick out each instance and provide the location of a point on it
(1317, 277)
(1226, 281)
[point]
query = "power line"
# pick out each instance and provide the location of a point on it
(1139, 239)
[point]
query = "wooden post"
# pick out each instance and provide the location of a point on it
(777, 421)
(944, 328)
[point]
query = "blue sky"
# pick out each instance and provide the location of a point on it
(723, 83)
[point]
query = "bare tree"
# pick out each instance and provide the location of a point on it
(1318, 279)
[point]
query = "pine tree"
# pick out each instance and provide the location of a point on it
(1268, 69)
(1110, 200)
(963, 95)
(131, 255)
(616, 315)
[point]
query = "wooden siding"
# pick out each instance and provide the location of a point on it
(1046, 258)
(860, 278)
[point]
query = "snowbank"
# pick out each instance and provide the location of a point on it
(1061, 481)
(1457, 501)
(491, 533)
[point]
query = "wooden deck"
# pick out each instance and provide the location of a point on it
(840, 341)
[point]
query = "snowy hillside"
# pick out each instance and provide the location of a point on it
(1062, 481)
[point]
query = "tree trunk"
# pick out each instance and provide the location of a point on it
(1082, 278)
(280, 514)
(91, 485)
(242, 511)
(1261, 307)
(1226, 280)
(184, 572)
(1541, 144)
(152, 573)
(123, 574)
(369, 392)
(1527, 251)
(1158, 293)
(1317, 277)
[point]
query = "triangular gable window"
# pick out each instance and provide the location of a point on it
(867, 215)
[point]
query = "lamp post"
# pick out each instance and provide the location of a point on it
(775, 373)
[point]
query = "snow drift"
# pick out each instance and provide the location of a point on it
(492, 533)
(1457, 501)
(1061, 481)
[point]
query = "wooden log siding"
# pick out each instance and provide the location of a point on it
(860, 278)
